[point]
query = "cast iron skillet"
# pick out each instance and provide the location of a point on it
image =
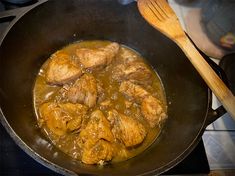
(49, 26)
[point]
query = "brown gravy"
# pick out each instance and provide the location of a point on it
(44, 92)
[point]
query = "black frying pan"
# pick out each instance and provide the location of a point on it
(49, 26)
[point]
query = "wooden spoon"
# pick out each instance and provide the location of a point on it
(160, 15)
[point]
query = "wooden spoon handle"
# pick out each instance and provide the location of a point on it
(217, 86)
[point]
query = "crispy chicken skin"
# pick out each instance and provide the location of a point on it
(137, 72)
(84, 91)
(62, 117)
(97, 58)
(126, 129)
(61, 69)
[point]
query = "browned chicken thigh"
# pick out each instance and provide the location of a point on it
(97, 58)
(135, 71)
(84, 90)
(61, 69)
(126, 129)
(62, 117)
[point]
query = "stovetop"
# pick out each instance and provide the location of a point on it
(14, 161)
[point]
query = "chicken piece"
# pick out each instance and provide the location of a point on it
(126, 56)
(128, 104)
(95, 139)
(105, 104)
(110, 51)
(100, 91)
(131, 132)
(63, 117)
(151, 108)
(61, 69)
(133, 91)
(97, 58)
(98, 153)
(152, 111)
(84, 91)
(98, 127)
(137, 72)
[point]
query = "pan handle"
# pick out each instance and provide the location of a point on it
(213, 115)
(9, 15)
(217, 113)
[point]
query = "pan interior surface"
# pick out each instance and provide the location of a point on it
(54, 24)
